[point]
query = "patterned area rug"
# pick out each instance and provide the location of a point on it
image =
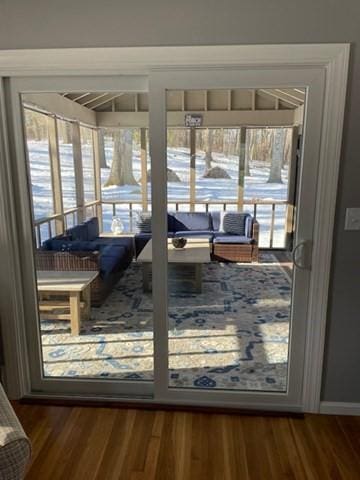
(233, 335)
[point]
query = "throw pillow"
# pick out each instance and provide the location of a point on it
(143, 222)
(233, 222)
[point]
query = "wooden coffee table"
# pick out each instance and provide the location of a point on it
(196, 252)
(74, 286)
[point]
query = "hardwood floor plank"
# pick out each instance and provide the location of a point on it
(234, 449)
(89, 443)
(94, 445)
(116, 448)
(181, 433)
(166, 459)
(308, 449)
(334, 447)
(78, 442)
(350, 426)
(200, 448)
(256, 438)
(138, 445)
(286, 449)
(54, 448)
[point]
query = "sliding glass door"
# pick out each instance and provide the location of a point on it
(237, 185)
(169, 231)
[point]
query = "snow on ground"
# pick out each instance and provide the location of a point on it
(256, 186)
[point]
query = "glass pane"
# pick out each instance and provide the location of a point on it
(103, 329)
(87, 154)
(37, 140)
(217, 165)
(267, 181)
(178, 164)
(126, 177)
(229, 302)
(66, 164)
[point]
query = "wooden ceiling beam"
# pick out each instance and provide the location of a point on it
(218, 118)
(63, 107)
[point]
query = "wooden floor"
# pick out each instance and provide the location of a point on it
(109, 443)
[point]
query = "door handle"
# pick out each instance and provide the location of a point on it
(304, 260)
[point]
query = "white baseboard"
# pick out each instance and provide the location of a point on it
(340, 408)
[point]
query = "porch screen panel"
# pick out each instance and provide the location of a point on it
(67, 164)
(87, 152)
(37, 141)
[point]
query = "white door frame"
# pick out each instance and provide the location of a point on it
(332, 58)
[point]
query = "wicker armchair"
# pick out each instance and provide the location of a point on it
(237, 252)
(78, 261)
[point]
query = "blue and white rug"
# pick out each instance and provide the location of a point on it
(233, 335)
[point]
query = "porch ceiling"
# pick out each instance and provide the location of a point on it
(220, 108)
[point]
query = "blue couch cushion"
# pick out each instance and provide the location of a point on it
(65, 245)
(111, 258)
(216, 217)
(141, 239)
(57, 244)
(82, 246)
(118, 241)
(205, 234)
(228, 238)
(171, 222)
(49, 244)
(191, 221)
(234, 223)
(79, 232)
(92, 228)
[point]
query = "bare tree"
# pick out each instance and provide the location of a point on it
(208, 151)
(102, 154)
(287, 147)
(277, 156)
(121, 172)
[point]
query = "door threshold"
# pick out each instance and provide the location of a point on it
(150, 405)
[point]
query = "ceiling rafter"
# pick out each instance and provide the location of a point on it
(300, 97)
(274, 94)
(91, 100)
(106, 101)
(83, 95)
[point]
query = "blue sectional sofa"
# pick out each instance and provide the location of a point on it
(81, 248)
(232, 247)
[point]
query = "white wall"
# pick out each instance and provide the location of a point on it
(86, 23)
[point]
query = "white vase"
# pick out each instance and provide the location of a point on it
(117, 227)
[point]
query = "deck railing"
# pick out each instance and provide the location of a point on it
(46, 227)
(127, 209)
(251, 205)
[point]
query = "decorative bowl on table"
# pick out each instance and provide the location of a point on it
(179, 242)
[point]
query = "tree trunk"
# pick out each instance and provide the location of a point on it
(287, 147)
(102, 154)
(208, 151)
(277, 156)
(121, 167)
(247, 154)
